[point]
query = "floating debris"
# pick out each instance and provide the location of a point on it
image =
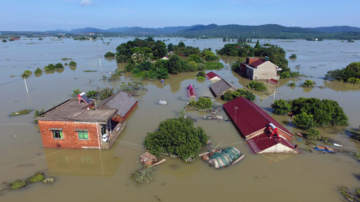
(21, 112)
(213, 117)
(162, 102)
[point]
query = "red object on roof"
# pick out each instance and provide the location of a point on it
(257, 63)
(250, 118)
(191, 91)
(262, 142)
(273, 81)
(211, 75)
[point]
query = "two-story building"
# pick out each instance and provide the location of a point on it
(259, 69)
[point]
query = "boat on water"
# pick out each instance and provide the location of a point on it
(191, 91)
(325, 149)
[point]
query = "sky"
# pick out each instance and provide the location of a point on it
(43, 15)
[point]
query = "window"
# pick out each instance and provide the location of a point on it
(57, 134)
(83, 135)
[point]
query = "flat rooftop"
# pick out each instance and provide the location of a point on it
(71, 110)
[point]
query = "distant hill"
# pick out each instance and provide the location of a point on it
(336, 29)
(86, 30)
(119, 29)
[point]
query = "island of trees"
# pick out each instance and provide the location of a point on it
(350, 74)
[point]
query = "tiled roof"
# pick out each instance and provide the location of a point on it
(262, 142)
(121, 101)
(257, 63)
(250, 117)
(219, 87)
(211, 75)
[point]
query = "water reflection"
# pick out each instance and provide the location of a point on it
(59, 70)
(274, 158)
(73, 68)
(341, 86)
(38, 74)
(82, 162)
(49, 71)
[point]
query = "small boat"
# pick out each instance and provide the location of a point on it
(162, 102)
(338, 145)
(213, 117)
(191, 92)
(325, 149)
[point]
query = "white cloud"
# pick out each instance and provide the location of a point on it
(86, 3)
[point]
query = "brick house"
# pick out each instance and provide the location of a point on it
(255, 125)
(78, 124)
(259, 69)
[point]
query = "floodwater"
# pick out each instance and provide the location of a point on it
(93, 175)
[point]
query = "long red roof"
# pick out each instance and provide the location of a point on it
(211, 75)
(261, 142)
(249, 117)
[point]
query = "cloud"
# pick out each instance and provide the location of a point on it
(86, 3)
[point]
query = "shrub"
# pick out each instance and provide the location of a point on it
(313, 134)
(293, 56)
(50, 67)
(92, 94)
(210, 56)
(308, 83)
(121, 59)
(38, 71)
(193, 66)
(284, 75)
(304, 121)
(109, 54)
(257, 86)
(281, 107)
(105, 93)
(76, 92)
(72, 63)
(200, 78)
(26, 74)
(4, 41)
(201, 73)
(135, 70)
(143, 175)
(292, 84)
(204, 103)
(59, 66)
(178, 137)
(230, 95)
(196, 59)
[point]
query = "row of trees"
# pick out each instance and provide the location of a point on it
(312, 112)
(230, 95)
(349, 74)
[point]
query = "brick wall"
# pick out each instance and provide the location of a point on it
(70, 136)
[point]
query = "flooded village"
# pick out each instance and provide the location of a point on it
(98, 144)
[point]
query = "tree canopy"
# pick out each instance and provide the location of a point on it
(349, 74)
(258, 86)
(178, 137)
(230, 95)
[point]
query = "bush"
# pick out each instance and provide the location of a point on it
(284, 75)
(26, 74)
(281, 107)
(59, 66)
(204, 103)
(230, 95)
(50, 67)
(105, 93)
(135, 70)
(109, 54)
(76, 92)
(178, 137)
(313, 134)
(196, 59)
(4, 41)
(210, 56)
(72, 63)
(293, 56)
(193, 66)
(201, 73)
(257, 86)
(292, 84)
(308, 83)
(121, 59)
(92, 94)
(200, 78)
(143, 175)
(304, 121)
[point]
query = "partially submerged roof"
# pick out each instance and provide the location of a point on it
(257, 63)
(220, 87)
(211, 75)
(249, 117)
(263, 143)
(121, 101)
(147, 156)
(71, 110)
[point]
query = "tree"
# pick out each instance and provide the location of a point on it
(109, 54)
(257, 44)
(59, 66)
(150, 38)
(204, 103)
(284, 75)
(170, 47)
(181, 44)
(174, 64)
(293, 56)
(72, 63)
(105, 93)
(201, 73)
(281, 107)
(304, 121)
(257, 86)
(38, 71)
(193, 66)
(224, 39)
(210, 56)
(308, 83)
(26, 74)
(196, 59)
(230, 95)
(177, 137)
(313, 134)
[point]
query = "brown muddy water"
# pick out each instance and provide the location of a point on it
(92, 175)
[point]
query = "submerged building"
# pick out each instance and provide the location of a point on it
(259, 69)
(78, 124)
(262, 133)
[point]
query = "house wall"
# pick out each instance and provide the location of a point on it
(278, 148)
(265, 71)
(70, 136)
(215, 79)
(249, 72)
(242, 69)
(120, 119)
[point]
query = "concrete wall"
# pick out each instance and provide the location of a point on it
(265, 71)
(70, 136)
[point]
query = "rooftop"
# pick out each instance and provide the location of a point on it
(211, 75)
(71, 110)
(250, 117)
(121, 101)
(147, 156)
(258, 63)
(220, 87)
(263, 142)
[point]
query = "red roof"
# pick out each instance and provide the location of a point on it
(250, 117)
(257, 62)
(273, 81)
(211, 75)
(261, 142)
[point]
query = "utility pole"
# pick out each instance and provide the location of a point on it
(26, 86)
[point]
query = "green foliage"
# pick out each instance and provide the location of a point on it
(352, 72)
(21, 112)
(323, 112)
(196, 59)
(193, 66)
(72, 63)
(181, 44)
(284, 75)
(37, 114)
(4, 40)
(313, 134)
(76, 92)
(257, 44)
(109, 54)
(92, 94)
(304, 121)
(50, 67)
(38, 71)
(281, 107)
(201, 73)
(257, 86)
(210, 56)
(170, 47)
(18, 184)
(89, 70)
(36, 178)
(200, 78)
(143, 175)
(308, 83)
(236, 65)
(105, 93)
(230, 95)
(26, 74)
(354, 80)
(178, 137)
(293, 56)
(212, 65)
(292, 84)
(204, 103)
